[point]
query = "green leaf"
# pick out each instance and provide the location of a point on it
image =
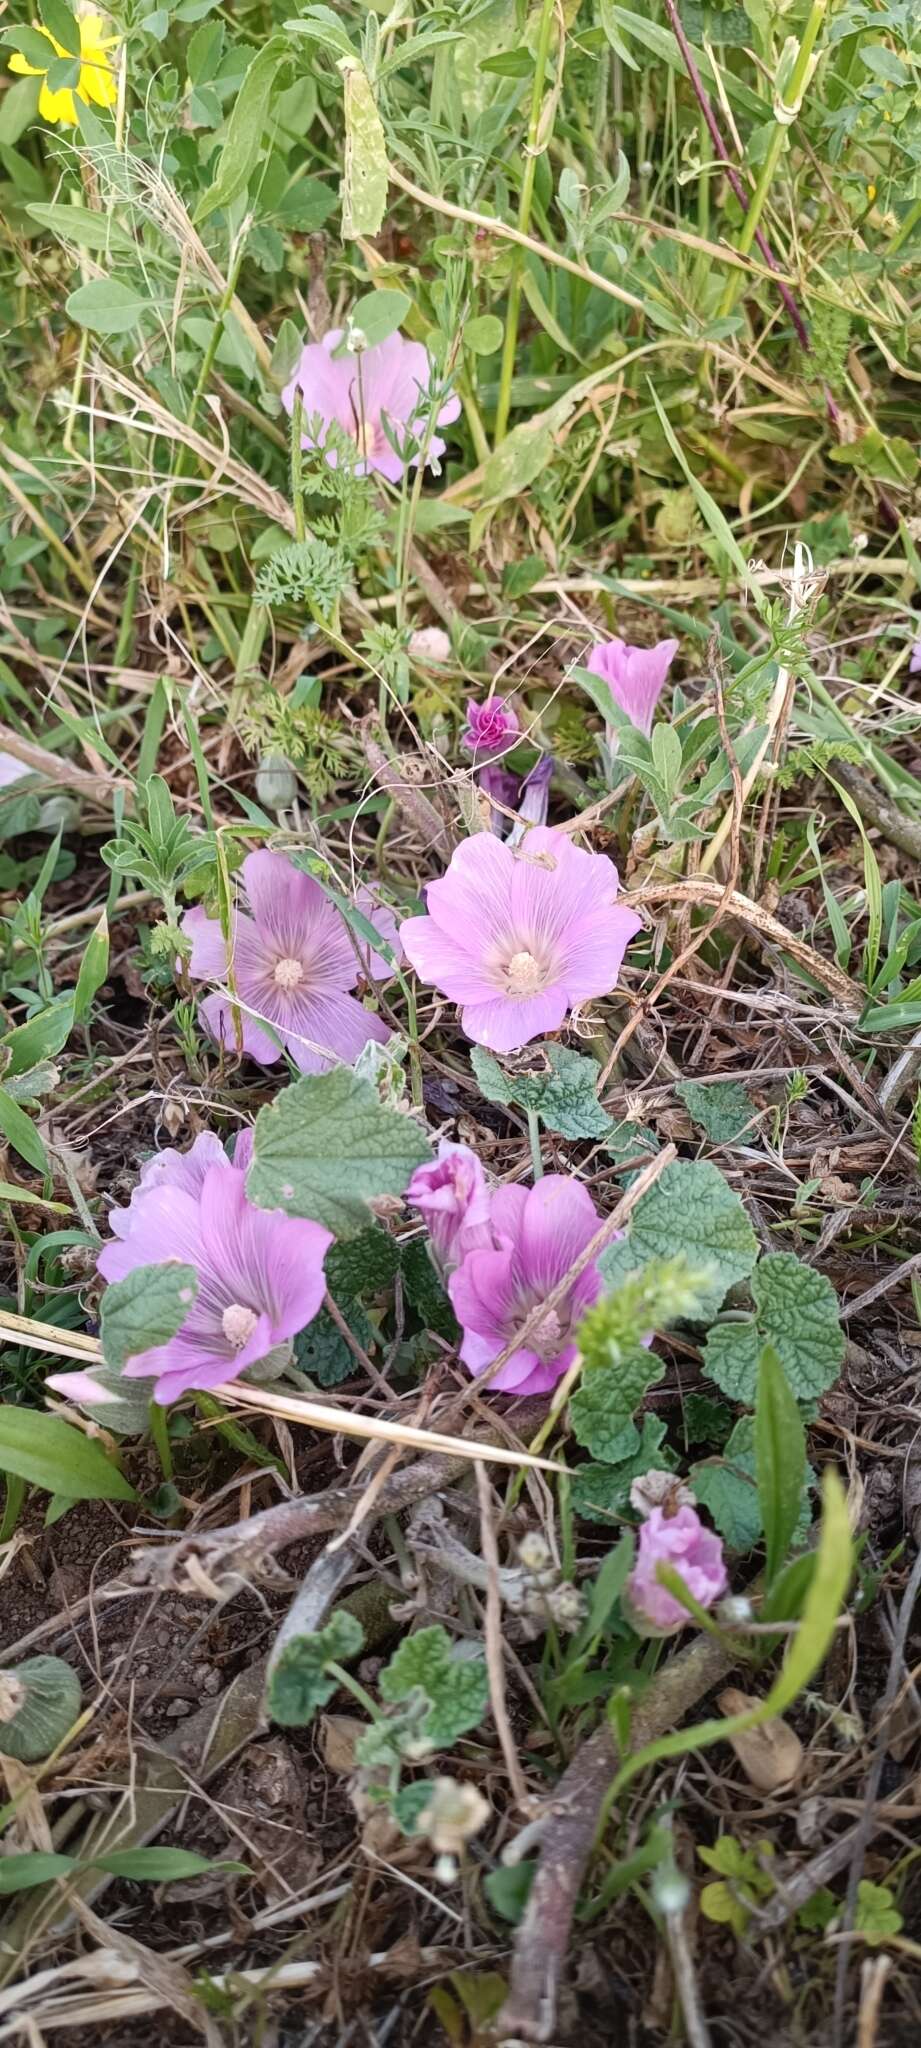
(326, 1146)
(378, 314)
(146, 1309)
(601, 1493)
(780, 1454)
(49, 1453)
(603, 1405)
(456, 1687)
(367, 171)
(723, 1110)
(323, 26)
(94, 967)
(424, 1290)
(321, 1350)
(796, 1312)
(730, 1495)
(365, 1264)
(40, 1866)
(105, 306)
(41, 1038)
(483, 337)
(60, 23)
(63, 74)
(21, 1133)
(243, 136)
(95, 231)
(31, 44)
(706, 1421)
(159, 1866)
(298, 1682)
(561, 1088)
(691, 1209)
(508, 1889)
(877, 1915)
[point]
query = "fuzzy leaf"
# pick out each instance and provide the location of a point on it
(723, 1110)
(796, 1312)
(424, 1290)
(146, 1309)
(564, 1095)
(601, 1493)
(367, 172)
(603, 1406)
(730, 1495)
(364, 1265)
(456, 1687)
(298, 1682)
(691, 1209)
(326, 1146)
(321, 1349)
(249, 115)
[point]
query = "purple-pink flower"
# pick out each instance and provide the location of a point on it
(293, 964)
(12, 770)
(492, 727)
(260, 1273)
(683, 1541)
(537, 1235)
(914, 661)
(636, 676)
(519, 936)
(383, 387)
(452, 1197)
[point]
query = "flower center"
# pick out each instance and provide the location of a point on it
(364, 435)
(238, 1324)
(524, 975)
(288, 973)
(547, 1339)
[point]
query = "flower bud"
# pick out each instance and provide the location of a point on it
(276, 782)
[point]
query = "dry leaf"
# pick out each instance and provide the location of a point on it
(771, 1756)
(338, 1736)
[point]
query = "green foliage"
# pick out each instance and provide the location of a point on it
(796, 1312)
(604, 1403)
(601, 1493)
(455, 1687)
(691, 1210)
(50, 1454)
(780, 1455)
(145, 1309)
(561, 1087)
(39, 1703)
(299, 1680)
(877, 1915)
(722, 1108)
(326, 1147)
(307, 572)
(744, 1882)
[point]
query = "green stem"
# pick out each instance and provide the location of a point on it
(902, 233)
(12, 1506)
(791, 105)
(350, 1684)
(535, 146)
(159, 1430)
(537, 1164)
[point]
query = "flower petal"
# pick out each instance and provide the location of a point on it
(505, 1025)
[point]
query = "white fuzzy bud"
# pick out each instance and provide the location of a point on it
(276, 782)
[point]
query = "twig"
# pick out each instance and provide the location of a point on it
(883, 1286)
(700, 889)
(493, 1641)
(308, 1609)
(865, 1825)
(901, 831)
(543, 1936)
(98, 789)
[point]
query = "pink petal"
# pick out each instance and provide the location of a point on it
(445, 961)
(168, 1227)
(386, 924)
(217, 1015)
(79, 1386)
(330, 1026)
(264, 1258)
(209, 949)
(559, 1221)
(595, 952)
(505, 1025)
(471, 902)
(292, 914)
(484, 1295)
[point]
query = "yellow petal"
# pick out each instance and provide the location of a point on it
(97, 82)
(18, 63)
(57, 106)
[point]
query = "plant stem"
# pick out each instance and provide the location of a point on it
(159, 1430)
(907, 226)
(534, 147)
(537, 1164)
(788, 106)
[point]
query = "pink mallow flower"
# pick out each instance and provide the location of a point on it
(389, 382)
(538, 1234)
(452, 1197)
(491, 728)
(519, 937)
(636, 676)
(293, 964)
(260, 1275)
(683, 1541)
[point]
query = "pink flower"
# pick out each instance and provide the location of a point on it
(80, 1386)
(293, 963)
(12, 770)
(694, 1551)
(518, 937)
(501, 787)
(185, 1170)
(260, 1276)
(490, 729)
(636, 676)
(538, 1234)
(914, 667)
(359, 393)
(452, 1197)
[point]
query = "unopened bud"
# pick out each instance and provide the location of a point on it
(276, 782)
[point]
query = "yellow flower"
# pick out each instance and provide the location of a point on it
(97, 78)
